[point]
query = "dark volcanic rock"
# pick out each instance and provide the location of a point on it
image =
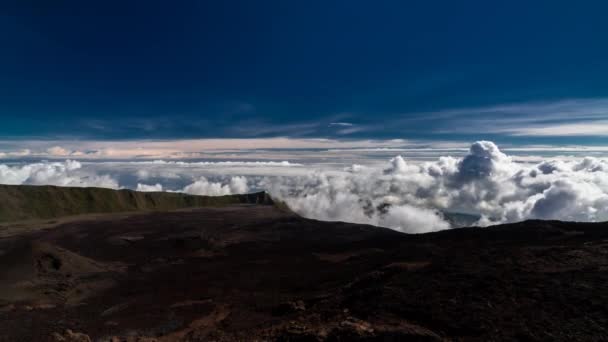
(258, 272)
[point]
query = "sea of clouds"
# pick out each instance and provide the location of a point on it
(408, 196)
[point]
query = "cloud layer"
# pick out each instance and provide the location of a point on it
(67, 173)
(413, 197)
(174, 149)
(400, 194)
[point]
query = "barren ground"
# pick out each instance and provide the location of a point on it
(255, 272)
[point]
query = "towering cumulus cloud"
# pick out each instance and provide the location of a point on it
(414, 198)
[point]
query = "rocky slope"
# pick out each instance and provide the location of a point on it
(250, 272)
(27, 202)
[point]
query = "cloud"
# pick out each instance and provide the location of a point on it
(236, 185)
(412, 197)
(362, 196)
(484, 158)
(351, 130)
(67, 173)
(346, 128)
(149, 188)
(408, 195)
(177, 149)
(222, 163)
(588, 128)
(14, 154)
(570, 117)
(142, 174)
(58, 151)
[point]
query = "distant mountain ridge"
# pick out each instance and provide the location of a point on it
(29, 202)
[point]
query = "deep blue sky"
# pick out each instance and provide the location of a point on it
(437, 70)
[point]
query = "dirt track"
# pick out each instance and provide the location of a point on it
(254, 272)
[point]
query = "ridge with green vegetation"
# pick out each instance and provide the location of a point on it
(29, 202)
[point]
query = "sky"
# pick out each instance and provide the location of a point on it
(392, 113)
(516, 72)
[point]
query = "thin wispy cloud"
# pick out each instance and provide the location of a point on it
(573, 117)
(341, 124)
(589, 128)
(178, 149)
(351, 130)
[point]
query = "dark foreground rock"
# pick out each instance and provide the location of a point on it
(255, 272)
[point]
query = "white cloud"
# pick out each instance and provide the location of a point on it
(570, 117)
(588, 128)
(402, 194)
(67, 173)
(149, 188)
(178, 149)
(58, 151)
(345, 128)
(202, 186)
(220, 163)
(14, 154)
(486, 182)
(142, 174)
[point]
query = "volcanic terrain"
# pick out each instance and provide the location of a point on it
(247, 269)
